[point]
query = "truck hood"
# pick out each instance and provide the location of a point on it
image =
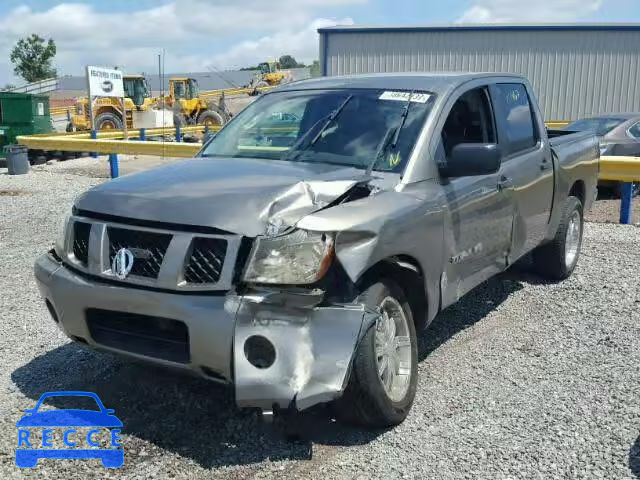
(240, 195)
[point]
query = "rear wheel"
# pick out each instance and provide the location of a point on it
(557, 259)
(108, 121)
(384, 374)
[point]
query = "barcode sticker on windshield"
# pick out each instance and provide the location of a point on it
(404, 96)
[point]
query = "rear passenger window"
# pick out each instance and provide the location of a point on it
(635, 130)
(512, 104)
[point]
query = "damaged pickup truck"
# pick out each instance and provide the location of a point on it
(299, 253)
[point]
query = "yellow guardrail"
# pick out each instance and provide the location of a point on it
(108, 146)
(557, 123)
(135, 133)
(622, 169)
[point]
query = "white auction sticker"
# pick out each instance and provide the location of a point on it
(404, 96)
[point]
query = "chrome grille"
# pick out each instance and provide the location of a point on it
(81, 231)
(164, 258)
(147, 247)
(206, 260)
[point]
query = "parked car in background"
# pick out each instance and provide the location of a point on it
(618, 134)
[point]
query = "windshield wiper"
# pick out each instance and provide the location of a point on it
(388, 139)
(295, 149)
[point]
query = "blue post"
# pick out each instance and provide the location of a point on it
(94, 135)
(626, 200)
(178, 134)
(143, 134)
(113, 165)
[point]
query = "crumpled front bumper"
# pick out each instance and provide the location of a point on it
(314, 345)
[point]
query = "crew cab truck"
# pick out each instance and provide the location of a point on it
(298, 261)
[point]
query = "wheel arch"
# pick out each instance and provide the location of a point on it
(409, 275)
(578, 190)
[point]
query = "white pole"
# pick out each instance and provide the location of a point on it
(90, 98)
(124, 116)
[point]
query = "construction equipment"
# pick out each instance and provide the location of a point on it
(142, 110)
(189, 108)
(107, 112)
(269, 75)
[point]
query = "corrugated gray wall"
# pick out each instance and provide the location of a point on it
(574, 73)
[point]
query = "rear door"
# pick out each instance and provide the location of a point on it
(527, 166)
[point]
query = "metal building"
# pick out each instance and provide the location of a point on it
(576, 70)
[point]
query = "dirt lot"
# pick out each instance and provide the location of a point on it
(521, 379)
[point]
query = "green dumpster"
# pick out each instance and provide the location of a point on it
(22, 114)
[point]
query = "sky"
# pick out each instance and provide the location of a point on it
(203, 35)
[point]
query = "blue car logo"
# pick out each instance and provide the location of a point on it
(28, 452)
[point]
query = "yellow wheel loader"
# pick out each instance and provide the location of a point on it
(107, 112)
(189, 108)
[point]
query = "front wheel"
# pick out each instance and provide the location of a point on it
(557, 259)
(382, 385)
(108, 121)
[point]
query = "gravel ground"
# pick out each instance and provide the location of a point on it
(607, 210)
(521, 379)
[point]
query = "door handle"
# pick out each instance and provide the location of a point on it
(504, 183)
(545, 164)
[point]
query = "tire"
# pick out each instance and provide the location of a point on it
(212, 116)
(366, 401)
(557, 259)
(108, 121)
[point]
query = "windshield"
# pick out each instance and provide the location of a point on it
(136, 87)
(178, 89)
(276, 127)
(600, 126)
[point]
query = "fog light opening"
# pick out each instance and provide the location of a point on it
(52, 311)
(259, 351)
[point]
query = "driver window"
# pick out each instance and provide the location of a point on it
(470, 121)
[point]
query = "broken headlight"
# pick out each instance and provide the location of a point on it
(299, 257)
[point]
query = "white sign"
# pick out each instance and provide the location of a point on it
(40, 109)
(105, 82)
(404, 96)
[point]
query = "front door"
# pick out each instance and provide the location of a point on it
(479, 221)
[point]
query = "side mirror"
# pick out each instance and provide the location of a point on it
(472, 159)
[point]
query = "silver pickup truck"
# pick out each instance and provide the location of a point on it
(299, 253)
